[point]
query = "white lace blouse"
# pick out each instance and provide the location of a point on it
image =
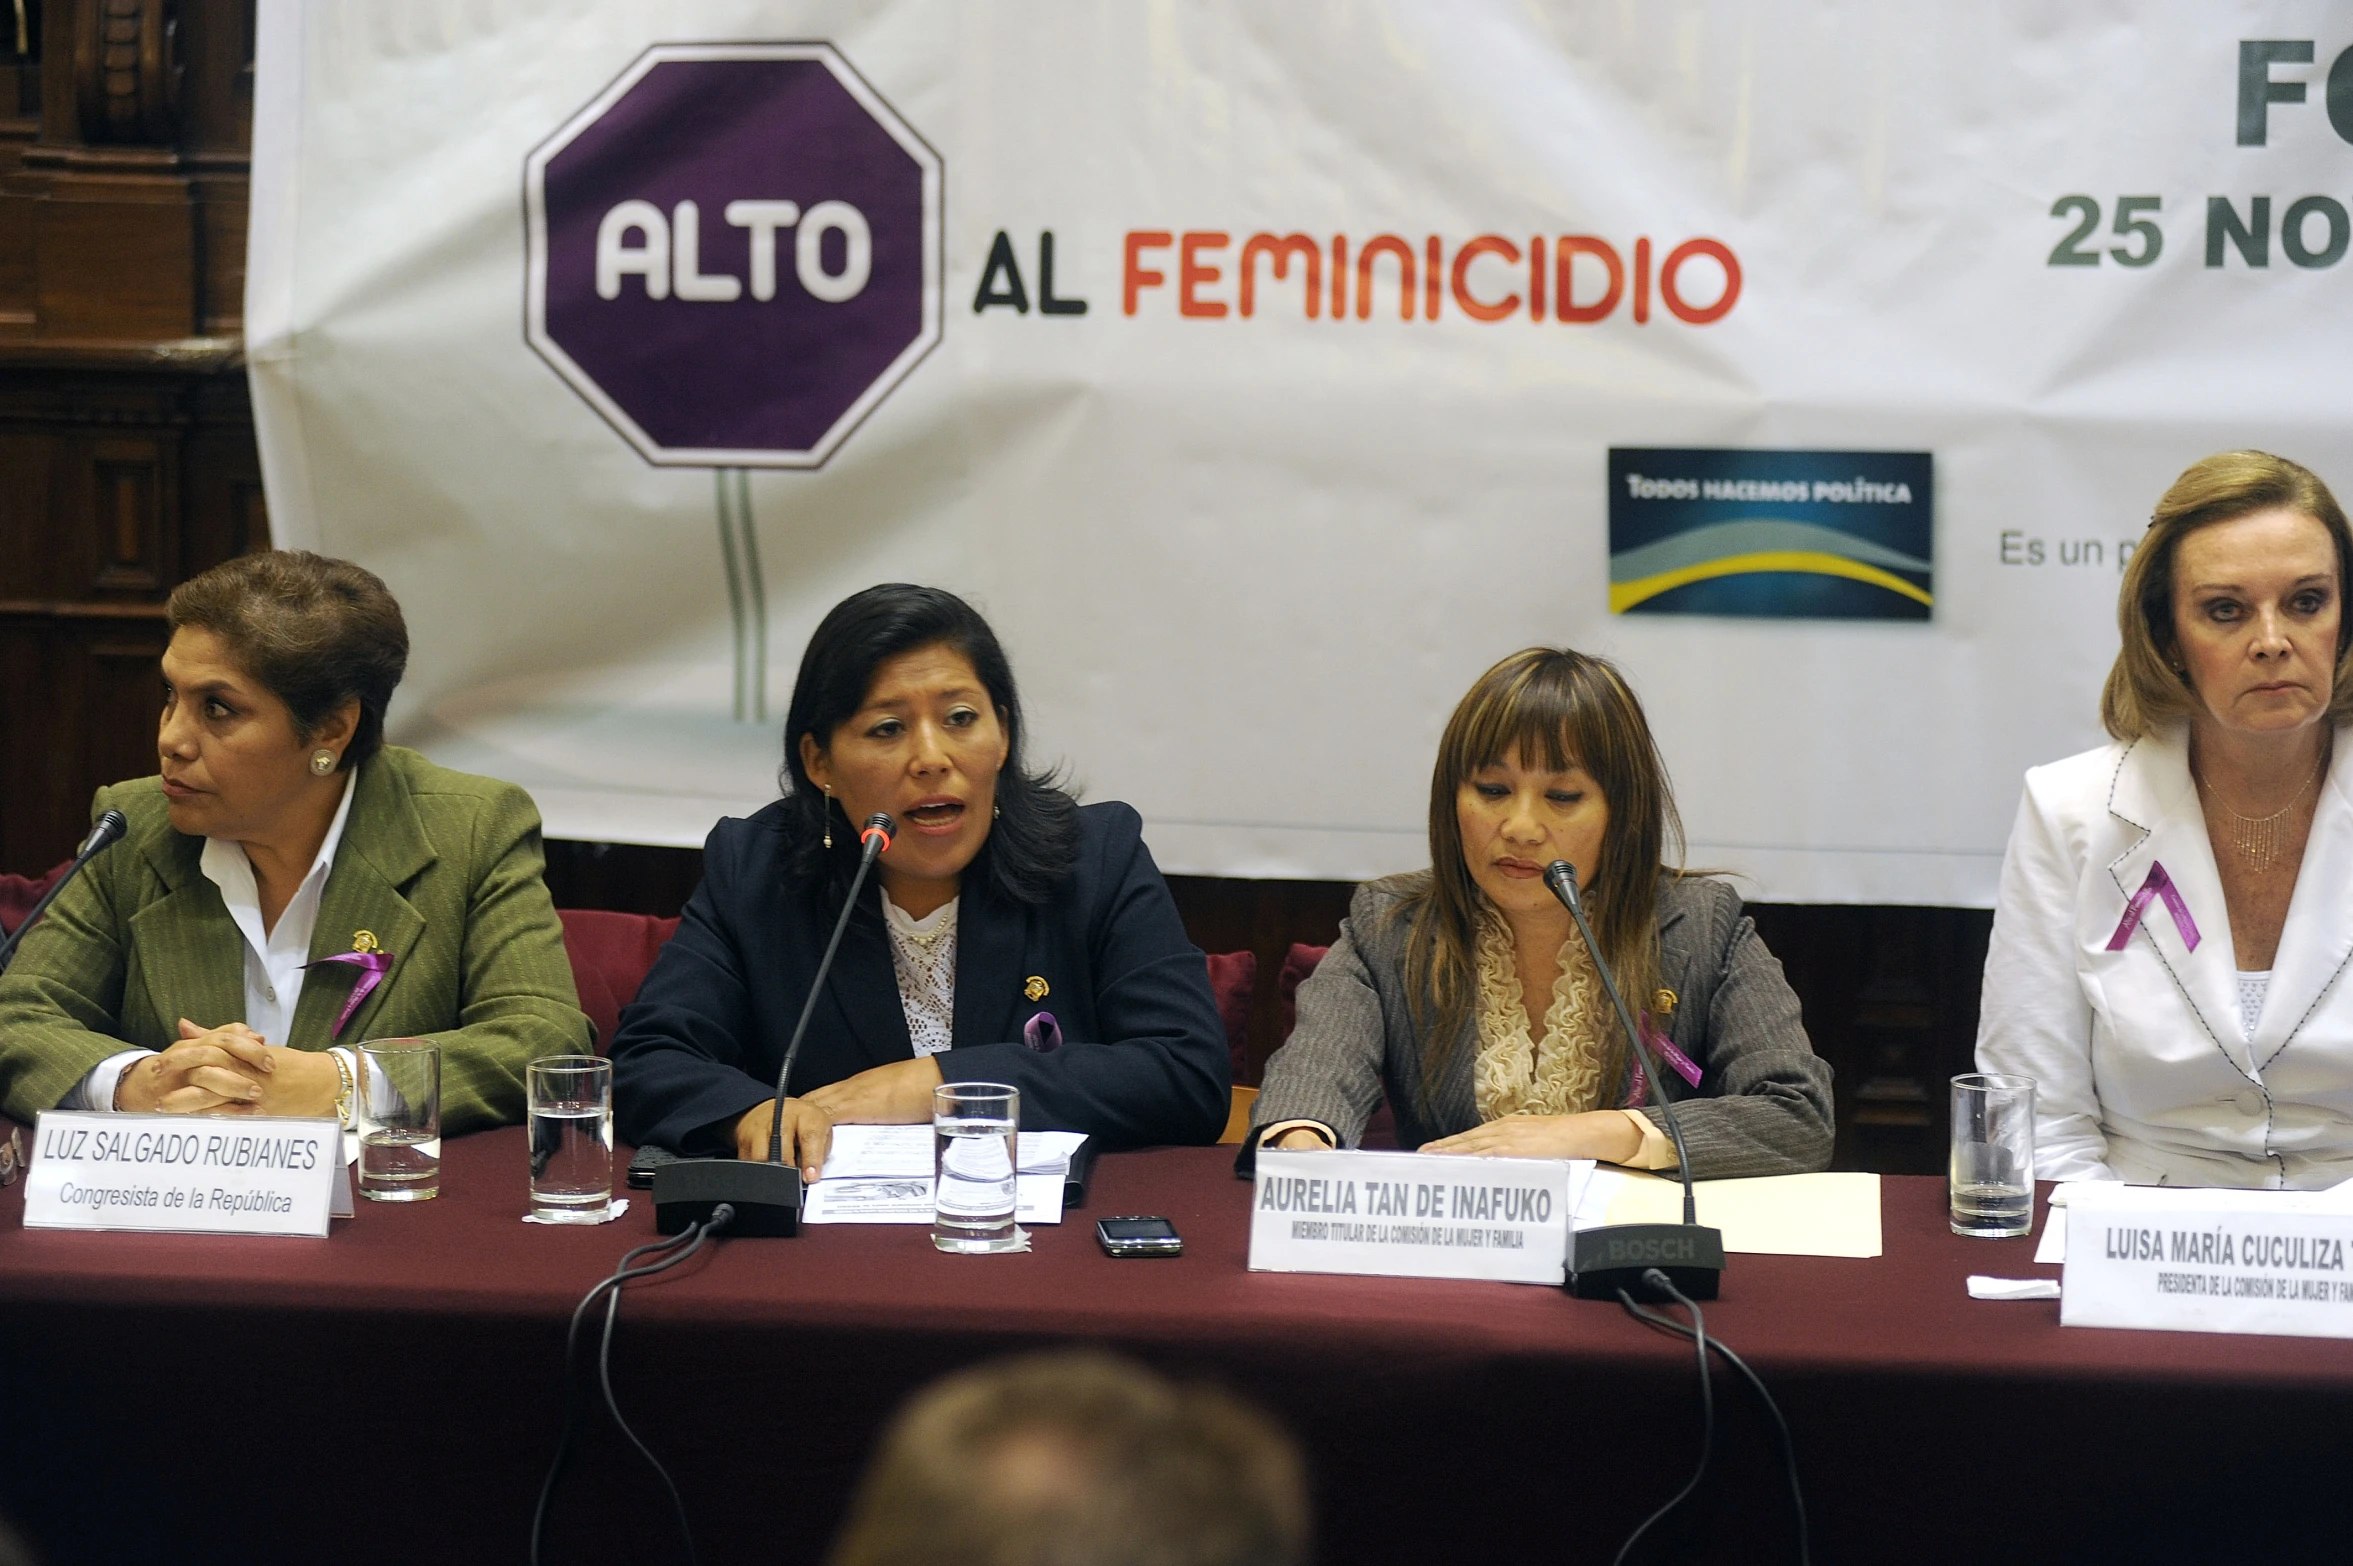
(923, 955)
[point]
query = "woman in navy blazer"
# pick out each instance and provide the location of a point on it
(1014, 937)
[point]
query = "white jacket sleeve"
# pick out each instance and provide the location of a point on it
(2035, 1020)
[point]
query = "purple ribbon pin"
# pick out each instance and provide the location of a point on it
(372, 965)
(1638, 1084)
(2159, 884)
(1042, 1033)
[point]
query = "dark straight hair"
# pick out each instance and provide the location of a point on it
(1034, 838)
(1554, 708)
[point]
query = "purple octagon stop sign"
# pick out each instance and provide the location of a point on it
(734, 253)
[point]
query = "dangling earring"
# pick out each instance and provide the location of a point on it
(322, 762)
(829, 818)
(996, 811)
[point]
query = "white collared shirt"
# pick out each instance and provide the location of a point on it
(274, 958)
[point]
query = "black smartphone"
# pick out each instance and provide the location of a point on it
(642, 1167)
(1138, 1237)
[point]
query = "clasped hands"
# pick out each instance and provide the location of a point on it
(894, 1095)
(1603, 1134)
(229, 1070)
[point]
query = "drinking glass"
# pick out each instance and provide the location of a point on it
(975, 1127)
(398, 1107)
(571, 1128)
(1993, 1156)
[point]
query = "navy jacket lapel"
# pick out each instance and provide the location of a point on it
(862, 996)
(989, 948)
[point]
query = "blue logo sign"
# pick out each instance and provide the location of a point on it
(1803, 535)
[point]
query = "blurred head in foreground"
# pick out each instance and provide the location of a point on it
(1077, 1459)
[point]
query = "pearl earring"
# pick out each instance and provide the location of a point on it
(829, 818)
(322, 762)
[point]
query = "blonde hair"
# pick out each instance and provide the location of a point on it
(2145, 690)
(1557, 709)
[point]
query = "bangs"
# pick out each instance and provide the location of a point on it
(1536, 711)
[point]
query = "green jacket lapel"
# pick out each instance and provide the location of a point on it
(384, 848)
(192, 959)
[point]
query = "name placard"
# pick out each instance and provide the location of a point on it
(1413, 1215)
(183, 1174)
(2278, 1263)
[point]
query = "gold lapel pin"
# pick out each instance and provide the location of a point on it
(1036, 989)
(365, 941)
(1662, 1005)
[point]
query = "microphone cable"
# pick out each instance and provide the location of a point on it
(679, 1248)
(1698, 1333)
(1783, 1443)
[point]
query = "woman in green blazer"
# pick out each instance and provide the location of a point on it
(289, 885)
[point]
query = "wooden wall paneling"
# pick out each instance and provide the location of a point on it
(20, 125)
(218, 39)
(122, 699)
(222, 512)
(28, 541)
(626, 877)
(84, 689)
(127, 503)
(1890, 998)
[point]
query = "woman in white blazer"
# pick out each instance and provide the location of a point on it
(2170, 949)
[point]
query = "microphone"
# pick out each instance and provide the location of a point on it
(109, 827)
(766, 1195)
(1614, 1257)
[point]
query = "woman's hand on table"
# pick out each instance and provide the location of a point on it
(223, 1070)
(1604, 1134)
(301, 1082)
(230, 1070)
(898, 1094)
(808, 1134)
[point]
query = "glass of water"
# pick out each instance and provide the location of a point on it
(1993, 1156)
(398, 1107)
(975, 1127)
(571, 1126)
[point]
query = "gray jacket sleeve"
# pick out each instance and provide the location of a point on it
(1330, 1068)
(1762, 1107)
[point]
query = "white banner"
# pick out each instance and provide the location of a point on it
(1264, 373)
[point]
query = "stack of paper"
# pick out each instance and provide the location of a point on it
(1775, 1215)
(883, 1174)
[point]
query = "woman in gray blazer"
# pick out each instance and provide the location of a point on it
(1464, 994)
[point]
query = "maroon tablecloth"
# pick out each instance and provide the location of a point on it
(391, 1393)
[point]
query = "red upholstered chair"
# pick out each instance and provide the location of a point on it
(18, 894)
(611, 955)
(1233, 979)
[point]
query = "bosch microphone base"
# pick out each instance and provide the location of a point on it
(766, 1197)
(1602, 1261)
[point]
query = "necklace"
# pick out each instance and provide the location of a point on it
(2256, 839)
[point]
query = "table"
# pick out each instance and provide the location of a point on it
(391, 1393)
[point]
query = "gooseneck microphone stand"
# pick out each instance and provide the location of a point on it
(109, 827)
(1614, 1258)
(766, 1195)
